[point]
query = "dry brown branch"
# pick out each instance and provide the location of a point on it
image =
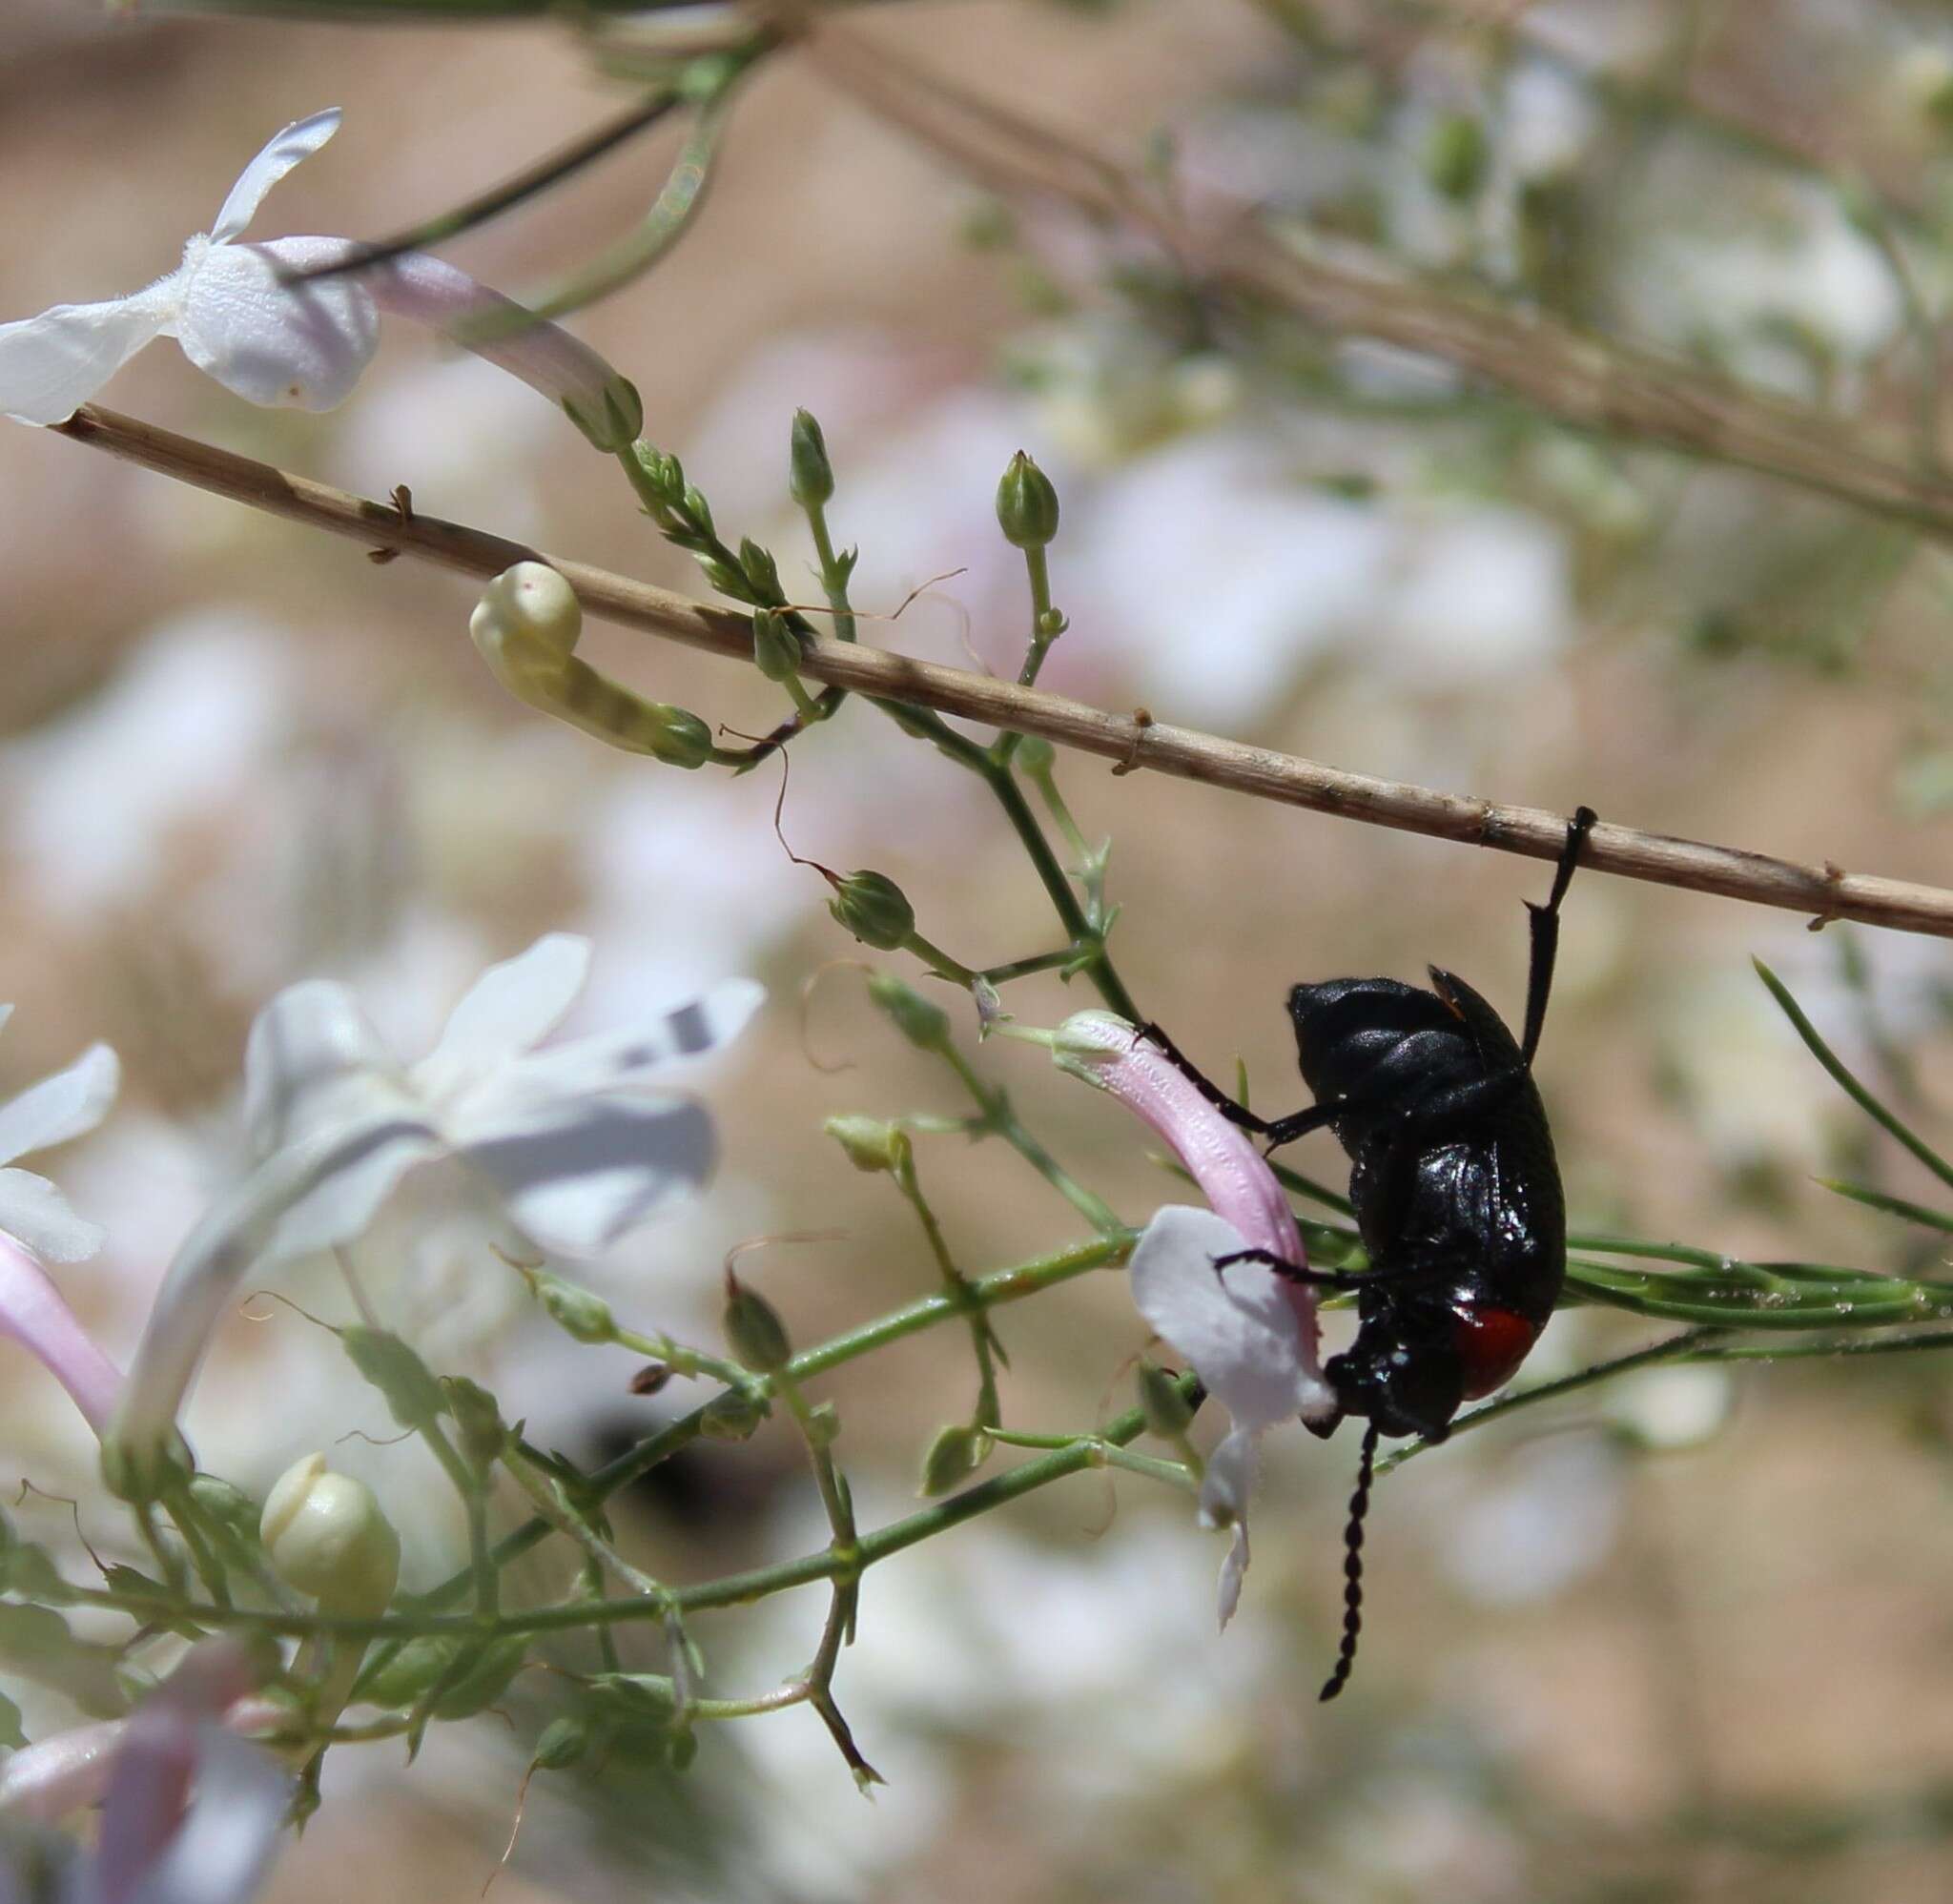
(1823, 892)
(1591, 384)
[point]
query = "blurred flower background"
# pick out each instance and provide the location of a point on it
(1687, 1636)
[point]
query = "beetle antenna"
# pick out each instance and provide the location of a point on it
(1352, 1566)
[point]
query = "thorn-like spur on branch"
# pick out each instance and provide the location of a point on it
(1584, 380)
(1823, 892)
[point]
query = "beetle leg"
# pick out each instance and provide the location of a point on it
(1545, 926)
(1278, 1131)
(1290, 1272)
(1234, 1111)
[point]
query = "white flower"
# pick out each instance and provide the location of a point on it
(575, 1147)
(245, 316)
(226, 303)
(1241, 1329)
(68, 1105)
(1249, 1333)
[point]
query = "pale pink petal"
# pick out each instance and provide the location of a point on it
(430, 290)
(65, 1773)
(298, 140)
(1220, 1157)
(32, 1312)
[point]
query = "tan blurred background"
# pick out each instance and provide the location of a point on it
(1691, 1639)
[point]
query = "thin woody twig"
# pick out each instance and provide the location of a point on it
(1826, 891)
(1583, 380)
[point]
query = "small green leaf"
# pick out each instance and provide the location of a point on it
(413, 1396)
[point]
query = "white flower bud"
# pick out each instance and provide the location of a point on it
(326, 1536)
(527, 625)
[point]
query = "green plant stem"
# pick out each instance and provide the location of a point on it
(959, 1290)
(736, 1589)
(1847, 1082)
(1003, 1285)
(1673, 1348)
(542, 1487)
(1000, 1120)
(844, 1549)
(468, 1485)
(832, 580)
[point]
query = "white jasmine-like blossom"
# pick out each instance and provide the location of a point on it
(1249, 1333)
(68, 1105)
(577, 1142)
(245, 316)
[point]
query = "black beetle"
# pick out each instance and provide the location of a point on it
(1455, 1188)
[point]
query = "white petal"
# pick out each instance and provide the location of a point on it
(298, 140)
(1225, 1490)
(275, 342)
(1237, 1328)
(1232, 1567)
(34, 1212)
(509, 1009)
(622, 1060)
(312, 1061)
(67, 1105)
(577, 1184)
(52, 364)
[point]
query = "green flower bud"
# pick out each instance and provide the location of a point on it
(614, 421)
(477, 1420)
(144, 1471)
(1456, 157)
(761, 570)
(754, 1329)
(681, 739)
(697, 508)
(811, 475)
(955, 1455)
(575, 1311)
(775, 646)
(325, 1535)
(926, 1026)
(1026, 505)
(412, 1395)
(480, 1675)
(870, 1143)
(563, 1743)
(471, 1675)
(725, 579)
(229, 1506)
(1162, 1402)
(730, 1417)
(875, 908)
(663, 474)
